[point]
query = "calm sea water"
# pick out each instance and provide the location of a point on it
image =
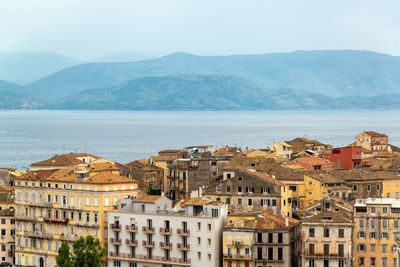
(29, 136)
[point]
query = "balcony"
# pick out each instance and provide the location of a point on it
(148, 244)
(183, 232)
(115, 226)
(116, 241)
(70, 207)
(237, 257)
(59, 221)
(24, 218)
(149, 259)
(181, 246)
(38, 234)
(131, 228)
(165, 231)
(66, 237)
(310, 254)
(39, 204)
(131, 243)
(87, 224)
(148, 230)
(166, 245)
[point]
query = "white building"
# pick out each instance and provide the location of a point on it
(147, 231)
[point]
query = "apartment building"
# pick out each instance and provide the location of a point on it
(247, 191)
(7, 235)
(265, 240)
(376, 229)
(53, 206)
(327, 231)
(147, 231)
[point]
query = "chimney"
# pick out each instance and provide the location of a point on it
(287, 221)
(247, 148)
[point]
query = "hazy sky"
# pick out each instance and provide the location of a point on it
(86, 29)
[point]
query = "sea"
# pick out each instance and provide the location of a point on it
(28, 136)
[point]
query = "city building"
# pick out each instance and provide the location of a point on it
(148, 176)
(283, 149)
(327, 234)
(247, 191)
(147, 231)
(53, 206)
(373, 141)
(7, 237)
(376, 229)
(348, 157)
(318, 186)
(265, 240)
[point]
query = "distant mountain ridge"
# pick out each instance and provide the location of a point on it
(25, 67)
(344, 79)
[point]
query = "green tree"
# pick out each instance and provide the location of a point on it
(63, 258)
(87, 252)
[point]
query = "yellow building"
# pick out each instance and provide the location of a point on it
(283, 149)
(376, 229)
(264, 240)
(53, 206)
(390, 184)
(318, 186)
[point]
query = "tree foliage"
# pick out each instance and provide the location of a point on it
(87, 252)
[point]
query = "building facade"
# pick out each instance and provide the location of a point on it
(53, 206)
(147, 232)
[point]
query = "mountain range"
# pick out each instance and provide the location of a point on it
(315, 80)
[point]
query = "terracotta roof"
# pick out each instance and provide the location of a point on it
(325, 177)
(147, 198)
(227, 151)
(108, 178)
(98, 167)
(312, 161)
(163, 158)
(198, 201)
(48, 175)
(375, 134)
(266, 220)
(152, 168)
(263, 176)
(64, 160)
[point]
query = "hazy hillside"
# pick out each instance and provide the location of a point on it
(331, 73)
(11, 98)
(24, 67)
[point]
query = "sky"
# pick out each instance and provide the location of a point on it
(88, 29)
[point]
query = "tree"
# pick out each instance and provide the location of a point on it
(63, 258)
(87, 252)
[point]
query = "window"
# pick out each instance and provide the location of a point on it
(384, 224)
(384, 248)
(270, 238)
(199, 255)
(274, 202)
(239, 201)
(198, 226)
(280, 238)
(199, 241)
(384, 209)
(361, 223)
(228, 201)
(250, 202)
(228, 189)
(354, 187)
(280, 254)
(209, 227)
(361, 247)
(373, 210)
(214, 213)
(372, 224)
(117, 264)
(373, 262)
(106, 202)
(341, 233)
(373, 247)
(270, 253)
(326, 232)
(396, 225)
(369, 187)
(372, 235)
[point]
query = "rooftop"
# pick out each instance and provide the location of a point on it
(144, 198)
(375, 134)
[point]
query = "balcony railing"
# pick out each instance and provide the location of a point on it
(184, 232)
(38, 234)
(238, 256)
(165, 231)
(182, 246)
(166, 245)
(87, 224)
(132, 243)
(114, 240)
(70, 207)
(39, 204)
(71, 237)
(149, 230)
(131, 228)
(152, 259)
(115, 226)
(324, 255)
(148, 244)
